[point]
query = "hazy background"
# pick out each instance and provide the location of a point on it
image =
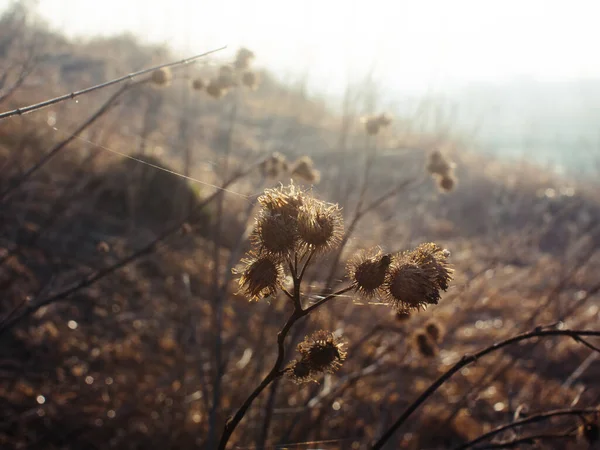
(522, 76)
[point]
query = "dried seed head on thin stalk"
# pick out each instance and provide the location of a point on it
(215, 89)
(322, 351)
(304, 169)
(446, 183)
(161, 77)
(274, 166)
(373, 124)
(320, 225)
(424, 344)
(367, 272)
(275, 234)
(198, 84)
(434, 260)
(416, 277)
(250, 80)
(260, 277)
(437, 164)
(226, 77)
(243, 59)
(299, 371)
(435, 330)
(284, 200)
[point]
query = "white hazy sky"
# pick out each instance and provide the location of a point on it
(412, 44)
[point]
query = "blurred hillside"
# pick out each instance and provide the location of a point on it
(121, 323)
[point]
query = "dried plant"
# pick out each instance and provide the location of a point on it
(161, 77)
(303, 169)
(294, 229)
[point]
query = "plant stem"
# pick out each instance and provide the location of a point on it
(271, 376)
(465, 361)
(537, 418)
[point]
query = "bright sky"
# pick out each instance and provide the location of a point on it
(411, 44)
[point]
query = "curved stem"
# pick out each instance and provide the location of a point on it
(72, 95)
(537, 418)
(326, 299)
(271, 376)
(465, 361)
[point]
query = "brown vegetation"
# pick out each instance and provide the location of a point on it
(102, 349)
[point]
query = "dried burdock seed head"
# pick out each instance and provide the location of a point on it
(215, 89)
(304, 169)
(372, 126)
(435, 330)
(250, 80)
(198, 84)
(320, 225)
(375, 123)
(434, 260)
(408, 287)
(243, 59)
(437, 164)
(446, 183)
(424, 344)
(161, 77)
(260, 276)
(416, 277)
(299, 371)
(274, 166)
(367, 272)
(589, 432)
(384, 120)
(226, 77)
(275, 234)
(283, 201)
(322, 352)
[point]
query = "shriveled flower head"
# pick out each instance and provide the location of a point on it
(435, 330)
(384, 120)
(367, 272)
(372, 125)
(215, 89)
(437, 164)
(243, 59)
(375, 123)
(446, 183)
(198, 84)
(299, 371)
(161, 77)
(275, 234)
(424, 344)
(322, 351)
(260, 276)
(226, 77)
(415, 278)
(304, 169)
(320, 225)
(250, 80)
(284, 200)
(274, 166)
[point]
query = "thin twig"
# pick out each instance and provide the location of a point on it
(533, 419)
(530, 440)
(58, 147)
(131, 76)
(465, 361)
(326, 299)
(147, 249)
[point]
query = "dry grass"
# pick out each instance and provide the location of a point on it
(130, 361)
